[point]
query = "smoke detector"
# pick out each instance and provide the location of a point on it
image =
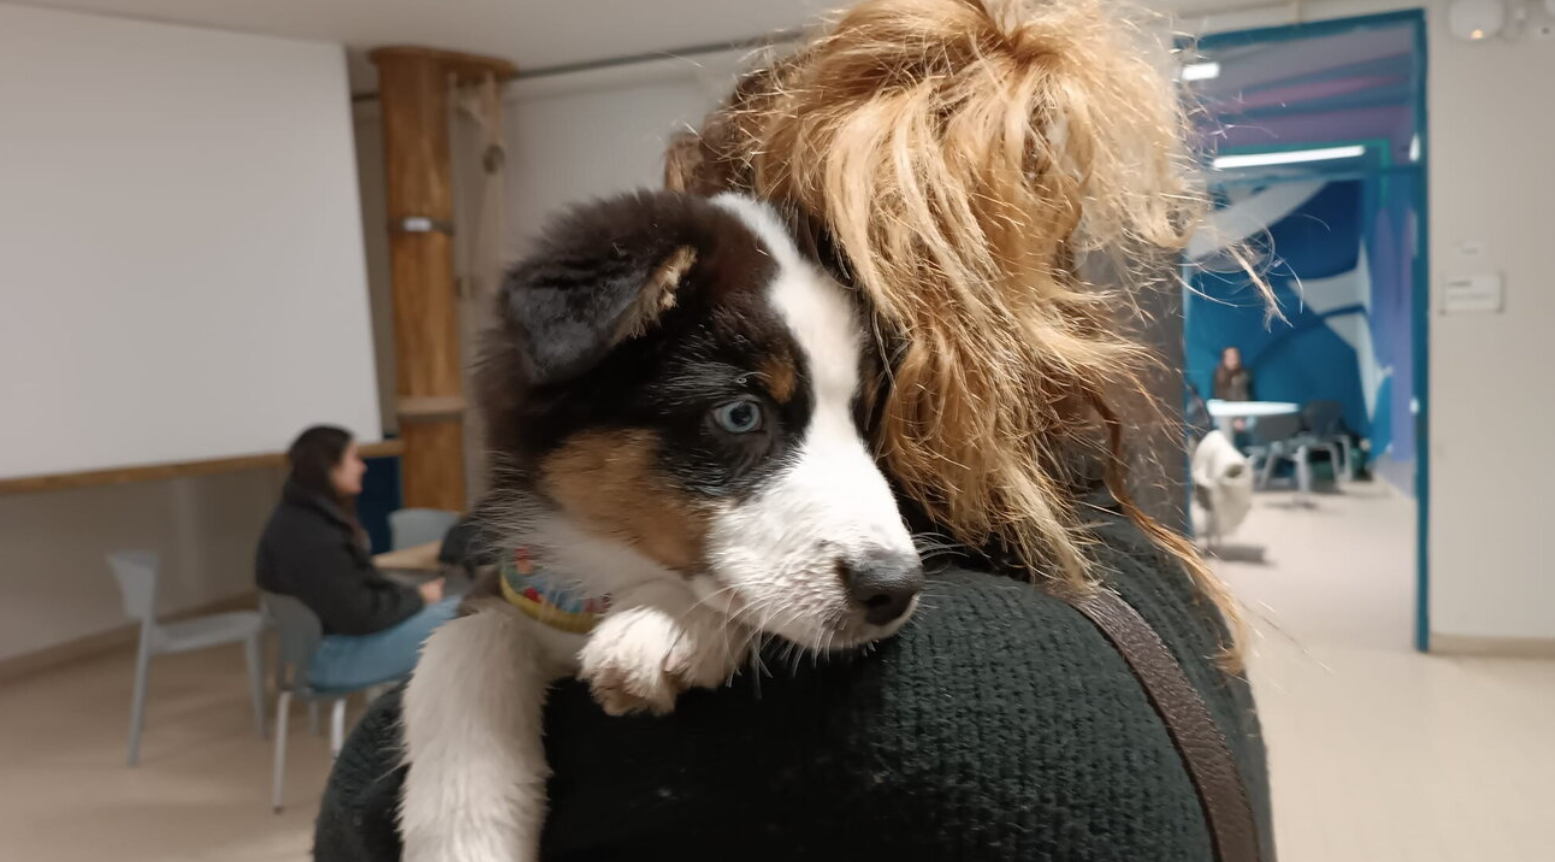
(1478, 20)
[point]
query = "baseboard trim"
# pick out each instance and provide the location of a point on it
(1470, 645)
(112, 640)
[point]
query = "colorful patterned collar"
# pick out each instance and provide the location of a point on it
(558, 604)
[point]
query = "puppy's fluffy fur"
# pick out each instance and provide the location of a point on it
(675, 397)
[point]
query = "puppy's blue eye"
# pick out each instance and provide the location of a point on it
(739, 417)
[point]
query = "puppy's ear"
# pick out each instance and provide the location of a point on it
(603, 275)
(656, 296)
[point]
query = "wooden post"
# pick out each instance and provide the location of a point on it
(413, 94)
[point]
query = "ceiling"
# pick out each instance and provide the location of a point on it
(532, 33)
(1360, 84)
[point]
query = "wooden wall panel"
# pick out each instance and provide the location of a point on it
(413, 92)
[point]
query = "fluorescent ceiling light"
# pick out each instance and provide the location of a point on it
(1200, 71)
(1257, 160)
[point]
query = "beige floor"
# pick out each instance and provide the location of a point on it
(203, 787)
(1378, 753)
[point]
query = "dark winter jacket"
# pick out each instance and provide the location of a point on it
(311, 550)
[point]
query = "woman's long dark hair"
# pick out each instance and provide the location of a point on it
(313, 455)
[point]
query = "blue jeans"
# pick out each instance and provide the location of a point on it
(358, 661)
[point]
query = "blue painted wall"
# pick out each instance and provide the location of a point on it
(1393, 240)
(380, 496)
(1370, 297)
(1301, 358)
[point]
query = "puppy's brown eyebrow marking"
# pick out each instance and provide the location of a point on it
(603, 477)
(780, 377)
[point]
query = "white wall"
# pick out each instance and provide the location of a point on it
(55, 586)
(1492, 393)
(1492, 398)
(366, 126)
(183, 196)
(571, 146)
(182, 244)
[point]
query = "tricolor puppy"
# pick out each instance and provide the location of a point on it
(675, 399)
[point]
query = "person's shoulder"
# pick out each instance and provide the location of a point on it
(975, 621)
(1123, 559)
(297, 535)
(1028, 629)
(282, 521)
(292, 516)
(1158, 585)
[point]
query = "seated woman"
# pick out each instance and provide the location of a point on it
(314, 550)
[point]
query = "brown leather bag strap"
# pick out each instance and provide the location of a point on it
(1193, 731)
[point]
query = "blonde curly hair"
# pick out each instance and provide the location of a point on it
(963, 157)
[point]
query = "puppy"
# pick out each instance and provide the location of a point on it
(675, 399)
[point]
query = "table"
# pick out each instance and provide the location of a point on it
(418, 564)
(417, 561)
(1226, 413)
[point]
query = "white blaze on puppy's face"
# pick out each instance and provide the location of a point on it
(819, 554)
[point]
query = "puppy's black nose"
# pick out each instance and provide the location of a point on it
(883, 584)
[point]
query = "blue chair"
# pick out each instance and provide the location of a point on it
(300, 634)
(411, 527)
(137, 573)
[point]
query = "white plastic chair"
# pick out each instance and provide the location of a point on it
(411, 527)
(137, 574)
(300, 633)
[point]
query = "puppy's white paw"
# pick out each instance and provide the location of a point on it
(709, 650)
(624, 661)
(640, 659)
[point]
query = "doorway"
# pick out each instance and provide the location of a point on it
(1316, 139)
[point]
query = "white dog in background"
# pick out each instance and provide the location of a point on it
(1222, 488)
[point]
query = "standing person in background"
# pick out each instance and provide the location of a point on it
(314, 550)
(1233, 382)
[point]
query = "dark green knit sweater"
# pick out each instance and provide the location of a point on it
(999, 725)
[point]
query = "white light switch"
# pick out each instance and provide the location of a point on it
(1474, 293)
(1471, 248)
